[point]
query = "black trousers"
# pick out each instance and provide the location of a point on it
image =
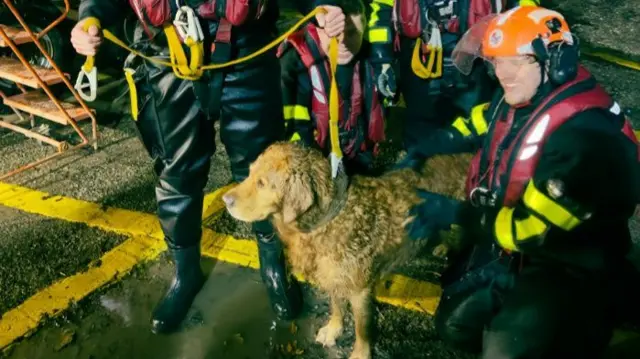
(435, 103)
(176, 124)
(540, 311)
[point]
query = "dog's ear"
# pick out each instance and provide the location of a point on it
(298, 196)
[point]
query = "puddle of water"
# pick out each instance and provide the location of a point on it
(230, 318)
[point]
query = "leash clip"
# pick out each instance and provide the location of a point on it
(482, 197)
(188, 25)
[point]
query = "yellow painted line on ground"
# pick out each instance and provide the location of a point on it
(145, 244)
(614, 59)
(113, 265)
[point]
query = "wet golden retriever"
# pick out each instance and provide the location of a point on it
(342, 241)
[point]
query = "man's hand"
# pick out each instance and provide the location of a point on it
(435, 213)
(385, 80)
(333, 21)
(86, 42)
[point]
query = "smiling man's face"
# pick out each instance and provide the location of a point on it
(519, 76)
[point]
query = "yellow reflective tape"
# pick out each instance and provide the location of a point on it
(529, 227)
(296, 112)
(478, 120)
(549, 209)
(133, 92)
(529, 3)
(384, 2)
(460, 125)
(373, 21)
(379, 35)
(504, 232)
(295, 137)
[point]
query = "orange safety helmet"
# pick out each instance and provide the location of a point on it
(523, 30)
(515, 32)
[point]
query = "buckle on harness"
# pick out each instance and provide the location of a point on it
(187, 24)
(482, 197)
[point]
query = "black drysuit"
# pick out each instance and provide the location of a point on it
(561, 293)
(176, 119)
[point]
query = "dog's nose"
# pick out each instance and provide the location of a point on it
(228, 200)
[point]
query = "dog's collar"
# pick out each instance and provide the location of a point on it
(338, 201)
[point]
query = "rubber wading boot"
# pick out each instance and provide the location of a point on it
(187, 282)
(284, 290)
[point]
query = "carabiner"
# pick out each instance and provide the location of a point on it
(187, 24)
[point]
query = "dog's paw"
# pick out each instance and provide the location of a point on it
(328, 334)
(441, 251)
(362, 351)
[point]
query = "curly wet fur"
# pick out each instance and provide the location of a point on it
(292, 185)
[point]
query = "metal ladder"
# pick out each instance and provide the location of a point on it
(40, 101)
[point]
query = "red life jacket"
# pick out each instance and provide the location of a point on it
(453, 16)
(516, 164)
(361, 129)
(155, 13)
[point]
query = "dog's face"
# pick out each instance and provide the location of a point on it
(279, 183)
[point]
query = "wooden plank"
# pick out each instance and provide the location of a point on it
(18, 36)
(14, 70)
(40, 104)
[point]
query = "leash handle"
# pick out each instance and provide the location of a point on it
(88, 70)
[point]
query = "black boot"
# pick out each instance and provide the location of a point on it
(187, 282)
(284, 290)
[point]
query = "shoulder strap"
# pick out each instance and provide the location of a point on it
(298, 40)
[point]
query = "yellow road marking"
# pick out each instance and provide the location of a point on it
(54, 299)
(614, 59)
(145, 244)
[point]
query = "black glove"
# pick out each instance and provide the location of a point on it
(435, 213)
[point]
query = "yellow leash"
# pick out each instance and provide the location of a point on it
(178, 63)
(194, 70)
(334, 112)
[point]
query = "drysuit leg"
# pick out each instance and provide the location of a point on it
(540, 312)
(180, 139)
(251, 120)
(552, 313)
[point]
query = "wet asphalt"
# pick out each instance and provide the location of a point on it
(231, 317)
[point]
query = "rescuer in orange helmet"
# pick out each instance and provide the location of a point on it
(553, 183)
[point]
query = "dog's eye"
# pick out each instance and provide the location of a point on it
(260, 183)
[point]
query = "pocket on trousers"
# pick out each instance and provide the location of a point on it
(143, 111)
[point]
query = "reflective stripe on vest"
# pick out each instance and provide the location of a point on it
(307, 44)
(516, 164)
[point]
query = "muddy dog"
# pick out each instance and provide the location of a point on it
(342, 239)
